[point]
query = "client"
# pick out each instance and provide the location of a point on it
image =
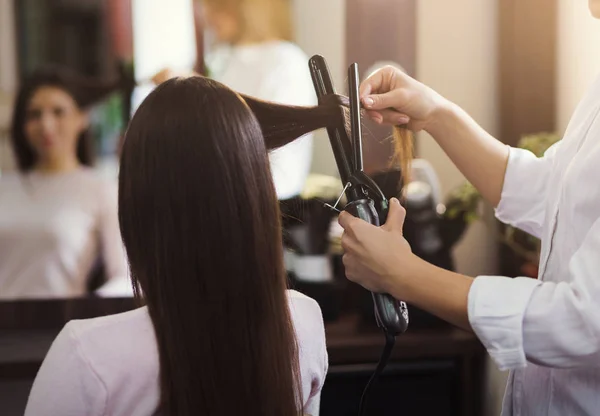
(219, 334)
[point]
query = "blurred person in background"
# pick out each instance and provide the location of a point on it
(57, 216)
(254, 55)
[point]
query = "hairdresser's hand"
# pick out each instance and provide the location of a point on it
(391, 96)
(374, 257)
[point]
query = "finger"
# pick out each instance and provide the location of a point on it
(392, 99)
(349, 265)
(371, 84)
(378, 81)
(347, 221)
(391, 116)
(376, 116)
(366, 88)
(396, 216)
(348, 243)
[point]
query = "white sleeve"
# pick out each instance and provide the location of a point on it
(290, 83)
(66, 384)
(523, 199)
(551, 324)
(113, 251)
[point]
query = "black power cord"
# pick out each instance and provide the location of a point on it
(390, 340)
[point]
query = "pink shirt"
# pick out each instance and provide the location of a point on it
(53, 227)
(109, 365)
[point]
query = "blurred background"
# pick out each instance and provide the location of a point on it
(518, 67)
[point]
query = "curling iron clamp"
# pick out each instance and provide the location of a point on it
(365, 198)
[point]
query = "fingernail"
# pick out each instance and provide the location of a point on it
(368, 101)
(401, 120)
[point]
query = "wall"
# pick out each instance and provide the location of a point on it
(578, 56)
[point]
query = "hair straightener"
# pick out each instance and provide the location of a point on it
(365, 198)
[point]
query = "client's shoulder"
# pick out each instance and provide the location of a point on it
(306, 314)
(136, 318)
(300, 300)
(114, 337)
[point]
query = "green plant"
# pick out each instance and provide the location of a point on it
(463, 201)
(538, 143)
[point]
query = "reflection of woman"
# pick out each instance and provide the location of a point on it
(56, 214)
(200, 222)
(255, 57)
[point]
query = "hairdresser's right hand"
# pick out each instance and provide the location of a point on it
(391, 96)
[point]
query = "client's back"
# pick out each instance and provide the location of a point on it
(200, 222)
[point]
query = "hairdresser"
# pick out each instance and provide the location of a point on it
(254, 55)
(547, 331)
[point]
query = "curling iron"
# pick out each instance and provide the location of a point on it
(365, 200)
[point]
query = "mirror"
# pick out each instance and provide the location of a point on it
(59, 234)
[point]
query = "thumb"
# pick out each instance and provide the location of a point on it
(395, 218)
(391, 99)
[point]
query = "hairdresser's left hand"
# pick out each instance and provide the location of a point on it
(375, 257)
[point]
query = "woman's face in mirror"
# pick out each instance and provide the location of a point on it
(53, 123)
(222, 22)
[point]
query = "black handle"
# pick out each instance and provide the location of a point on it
(391, 314)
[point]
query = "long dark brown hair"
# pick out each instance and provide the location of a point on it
(200, 223)
(84, 91)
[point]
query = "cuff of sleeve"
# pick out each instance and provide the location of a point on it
(496, 309)
(516, 201)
